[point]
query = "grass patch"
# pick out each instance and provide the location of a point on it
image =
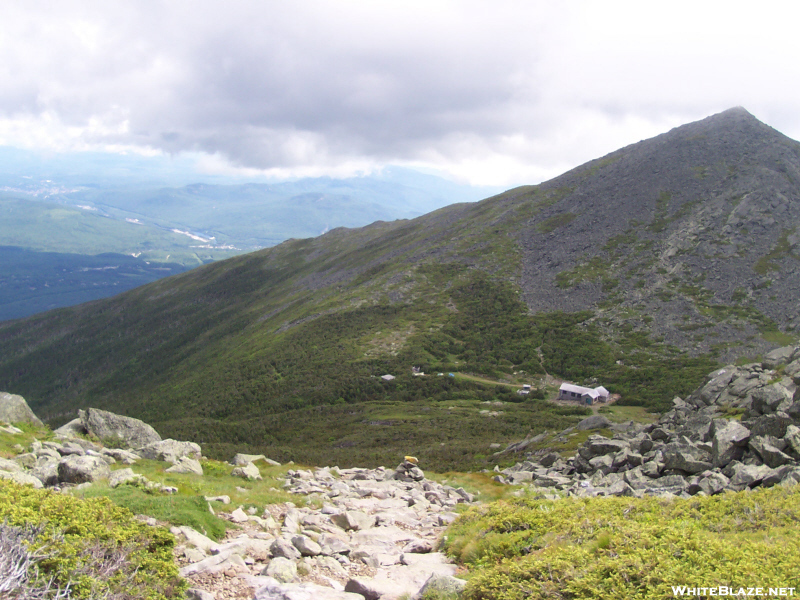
(188, 506)
(778, 337)
(556, 221)
(621, 414)
(30, 432)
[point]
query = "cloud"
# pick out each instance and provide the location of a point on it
(511, 91)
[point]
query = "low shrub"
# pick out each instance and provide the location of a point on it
(627, 547)
(87, 548)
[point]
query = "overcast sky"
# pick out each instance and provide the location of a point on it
(495, 92)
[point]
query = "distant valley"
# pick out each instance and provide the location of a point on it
(113, 215)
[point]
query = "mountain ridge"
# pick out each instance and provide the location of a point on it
(539, 279)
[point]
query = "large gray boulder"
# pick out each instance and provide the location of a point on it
(14, 409)
(170, 450)
(728, 441)
(82, 469)
(72, 429)
(122, 431)
(778, 356)
(22, 478)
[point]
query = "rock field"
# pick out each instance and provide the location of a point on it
(739, 430)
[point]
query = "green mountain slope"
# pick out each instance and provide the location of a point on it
(596, 274)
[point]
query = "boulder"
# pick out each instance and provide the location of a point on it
(770, 399)
(718, 380)
(743, 476)
(249, 472)
(10, 466)
(186, 465)
(270, 589)
(599, 446)
(685, 457)
(441, 586)
(107, 426)
(117, 478)
(14, 409)
(792, 438)
(22, 478)
(769, 453)
(198, 594)
(240, 460)
(82, 469)
(353, 519)
(594, 422)
(772, 425)
(778, 356)
(170, 450)
(713, 482)
(126, 457)
(46, 472)
(285, 549)
(306, 546)
(71, 429)
(728, 441)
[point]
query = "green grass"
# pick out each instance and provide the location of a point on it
(188, 506)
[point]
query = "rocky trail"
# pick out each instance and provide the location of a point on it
(374, 536)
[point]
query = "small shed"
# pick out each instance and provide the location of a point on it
(387, 377)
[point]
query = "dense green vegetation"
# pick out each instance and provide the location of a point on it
(93, 547)
(32, 282)
(232, 382)
(627, 547)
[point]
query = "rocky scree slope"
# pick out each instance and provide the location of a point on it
(696, 448)
(689, 238)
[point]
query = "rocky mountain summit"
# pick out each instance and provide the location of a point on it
(740, 430)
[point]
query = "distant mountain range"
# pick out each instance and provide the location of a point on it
(641, 270)
(81, 209)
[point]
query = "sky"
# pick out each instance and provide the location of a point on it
(491, 92)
